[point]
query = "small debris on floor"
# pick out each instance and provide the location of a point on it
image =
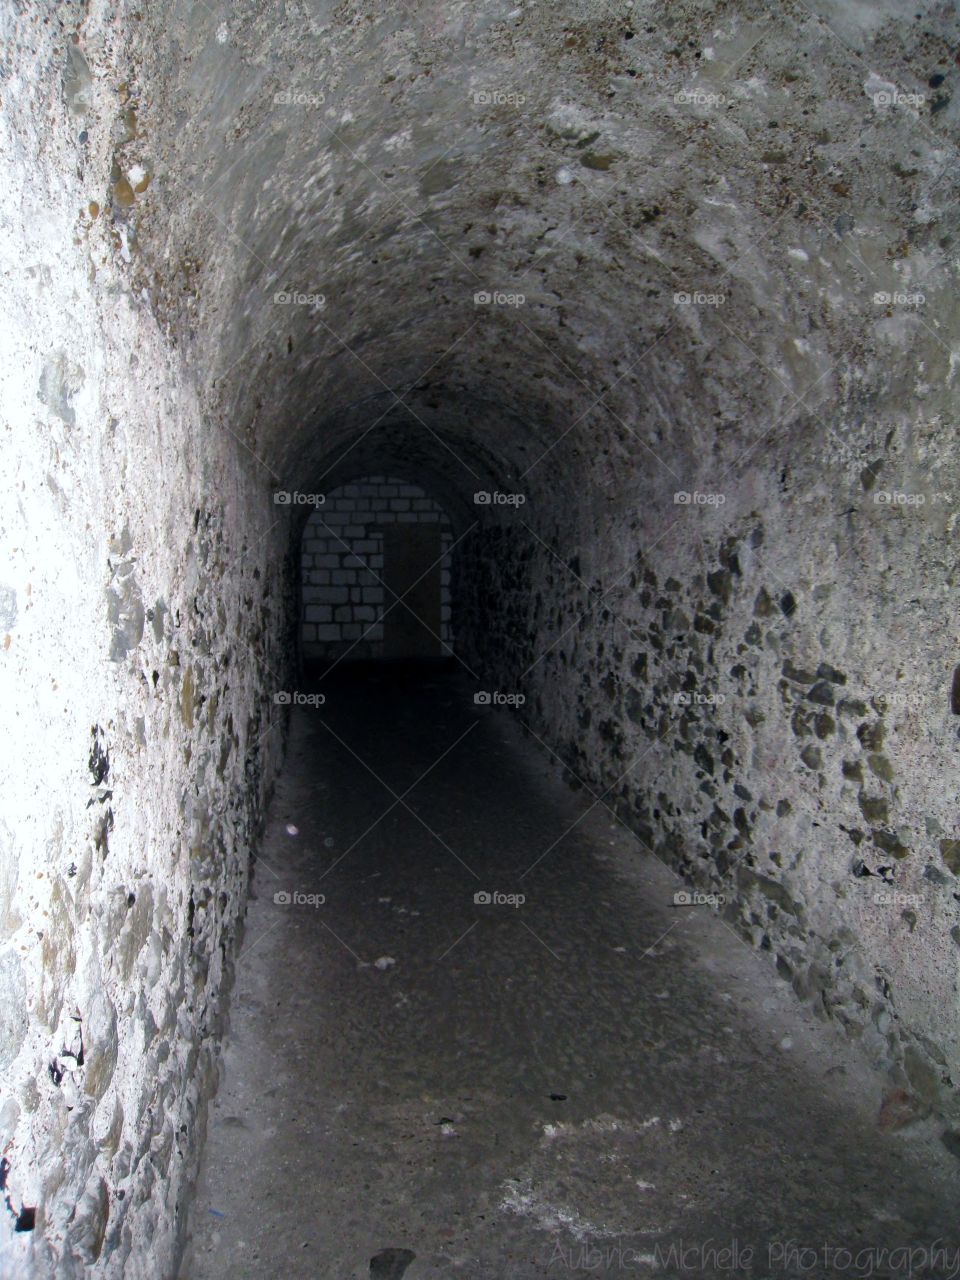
(384, 962)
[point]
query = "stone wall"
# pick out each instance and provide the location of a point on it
(143, 597)
(543, 250)
(759, 679)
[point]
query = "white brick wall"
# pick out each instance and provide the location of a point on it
(342, 598)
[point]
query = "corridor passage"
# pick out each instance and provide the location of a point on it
(588, 1081)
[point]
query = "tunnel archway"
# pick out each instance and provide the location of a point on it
(685, 283)
(375, 580)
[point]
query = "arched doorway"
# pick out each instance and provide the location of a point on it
(375, 574)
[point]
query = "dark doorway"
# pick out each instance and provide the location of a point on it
(411, 575)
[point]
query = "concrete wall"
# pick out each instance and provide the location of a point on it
(343, 592)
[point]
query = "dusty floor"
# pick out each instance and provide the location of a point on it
(595, 1082)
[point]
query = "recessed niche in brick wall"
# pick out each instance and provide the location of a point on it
(371, 541)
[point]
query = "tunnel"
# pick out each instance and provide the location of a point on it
(480, 666)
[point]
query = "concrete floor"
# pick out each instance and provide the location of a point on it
(595, 1082)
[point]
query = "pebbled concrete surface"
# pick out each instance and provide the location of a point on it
(594, 1082)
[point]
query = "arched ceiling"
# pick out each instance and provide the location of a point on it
(598, 159)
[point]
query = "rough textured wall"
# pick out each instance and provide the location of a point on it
(138, 617)
(763, 688)
(603, 255)
(594, 254)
